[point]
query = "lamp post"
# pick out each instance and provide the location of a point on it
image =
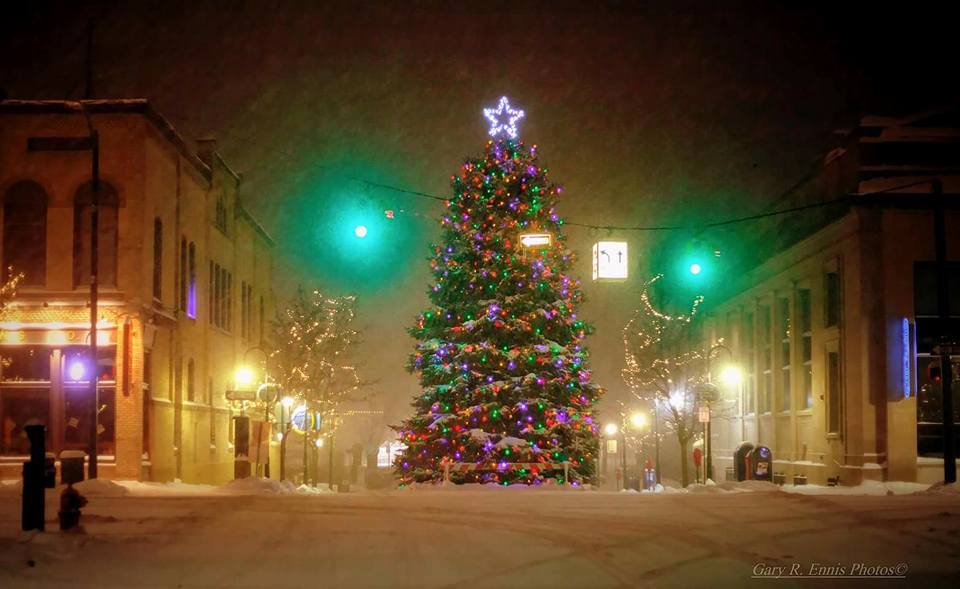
(638, 421)
(708, 394)
(610, 430)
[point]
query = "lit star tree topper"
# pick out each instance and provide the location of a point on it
(503, 119)
(506, 392)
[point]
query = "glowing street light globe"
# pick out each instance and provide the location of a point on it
(638, 420)
(731, 375)
(244, 377)
(610, 429)
(360, 231)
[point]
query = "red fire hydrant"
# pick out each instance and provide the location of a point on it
(70, 503)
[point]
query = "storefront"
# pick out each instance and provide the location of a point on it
(45, 379)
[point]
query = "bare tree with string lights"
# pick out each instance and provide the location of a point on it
(664, 365)
(314, 336)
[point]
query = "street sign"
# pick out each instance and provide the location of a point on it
(610, 260)
(704, 415)
(241, 395)
(536, 239)
(303, 420)
(611, 446)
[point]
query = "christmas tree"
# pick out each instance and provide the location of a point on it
(507, 396)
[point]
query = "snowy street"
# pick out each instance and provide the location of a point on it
(195, 536)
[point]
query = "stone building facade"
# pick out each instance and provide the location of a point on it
(834, 331)
(185, 290)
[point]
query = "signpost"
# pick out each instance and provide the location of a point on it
(610, 260)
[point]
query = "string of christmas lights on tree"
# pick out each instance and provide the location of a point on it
(500, 353)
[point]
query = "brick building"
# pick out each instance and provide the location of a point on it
(834, 329)
(185, 287)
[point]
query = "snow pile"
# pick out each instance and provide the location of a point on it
(176, 488)
(318, 490)
(11, 488)
(510, 442)
(866, 488)
(942, 489)
(101, 488)
(255, 486)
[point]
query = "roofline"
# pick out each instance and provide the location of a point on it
(243, 212)
(111, 106)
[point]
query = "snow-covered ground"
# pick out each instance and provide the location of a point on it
(268, 534)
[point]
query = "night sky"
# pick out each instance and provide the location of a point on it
(648, 113)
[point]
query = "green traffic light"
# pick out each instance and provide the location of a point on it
(360, 231)
(695, 269)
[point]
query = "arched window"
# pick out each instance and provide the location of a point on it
(25, 232)
(107, 223)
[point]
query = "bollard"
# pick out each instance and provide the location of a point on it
(34, 501)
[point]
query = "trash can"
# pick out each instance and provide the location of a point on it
(71, 466)
(760, 460)
(740, 456)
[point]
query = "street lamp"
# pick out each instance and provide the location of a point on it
(709, 393)
(610, 429)
(243, 377)
(731, 375)
(638, 420)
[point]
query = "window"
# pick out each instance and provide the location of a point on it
(221, 293)
(182, 277)
(51, 386)
(260, 332)
(192, 281)
(25, 232)
(147, 394)
(246, 310)
(766, 362)
(243, 308)
(929, 379)
(191, 381)
(157, 259)
(832, 300)
(806, 346)
(213, 416)
(834, 393)
(228, 311)
(750, 383)
(210, 294)
(221, 219)
(783, 333)
(107, 229)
